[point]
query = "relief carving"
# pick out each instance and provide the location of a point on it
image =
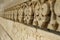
(39, 13)
(53, 23)
(45, 14)
(20, 14)
(15, 15)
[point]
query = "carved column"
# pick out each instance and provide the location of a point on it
(15, 14)
(20, 14)
(53, 23)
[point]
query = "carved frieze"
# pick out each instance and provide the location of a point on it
(41, 13)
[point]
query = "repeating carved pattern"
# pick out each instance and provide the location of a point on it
(34, 12)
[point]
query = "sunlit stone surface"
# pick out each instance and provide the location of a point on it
(30, 20)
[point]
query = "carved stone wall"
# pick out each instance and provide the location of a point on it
(38, 13)
(10, 30)
(31, 20)
(41, 13)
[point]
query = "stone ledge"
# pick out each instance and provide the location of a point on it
(14, 28)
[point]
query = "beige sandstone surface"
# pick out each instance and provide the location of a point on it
(24, 20)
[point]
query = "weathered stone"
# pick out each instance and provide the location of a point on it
(4, 35)
(57, 12)
(15, 15)
(44, 15)
(20, 15)
(11, 15)
(53, 25)
(39, 12)
(29, 15)
(19, 31)
(53, 21)
(36, 13)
